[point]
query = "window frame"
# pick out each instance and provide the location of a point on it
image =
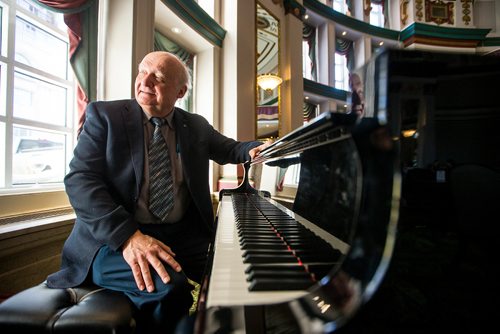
(17, 201)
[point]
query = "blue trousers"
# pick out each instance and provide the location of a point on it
(160, 310)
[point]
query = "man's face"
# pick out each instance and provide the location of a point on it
(157, 85)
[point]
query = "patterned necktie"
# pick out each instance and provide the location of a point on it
(161, 194)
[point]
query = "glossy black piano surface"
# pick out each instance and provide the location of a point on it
(349, 180)
(319, 258)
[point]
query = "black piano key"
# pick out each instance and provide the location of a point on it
(254, 224)
(249, 233)
(267, 252)
(317, 257)
(270, 258)
(277, 274)
(266, 284)
(263, 245)
(260, 238)
(320, 270)
(305, 237)
(309, 244)
(275, 267)
(304, 256)
(255, 228)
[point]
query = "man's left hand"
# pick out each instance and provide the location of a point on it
(255, 152)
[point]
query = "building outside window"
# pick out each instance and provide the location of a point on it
(377, 15)
(340, 6)
(306, 61)
(37, 104)
(341, 72)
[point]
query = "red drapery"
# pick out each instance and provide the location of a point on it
(73, 18)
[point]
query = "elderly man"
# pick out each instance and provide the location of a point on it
(133, 234)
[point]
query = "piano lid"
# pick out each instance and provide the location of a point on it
(348, 184)
(342, 172)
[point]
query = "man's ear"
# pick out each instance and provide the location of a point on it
(182, 92)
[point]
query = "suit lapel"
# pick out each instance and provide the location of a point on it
(132, 116)
(182, 133)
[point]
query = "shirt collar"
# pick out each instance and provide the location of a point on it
(169, 118)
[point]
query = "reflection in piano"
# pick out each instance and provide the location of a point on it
(305, 267)
(433, 116)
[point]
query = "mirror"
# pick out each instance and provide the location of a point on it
(267, 100)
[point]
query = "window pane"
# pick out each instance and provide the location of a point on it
(39, 157)
(208, 6)
(1, 30)
(340, 6)
(377, 16)
(306, 61)
(39, 100)
(51, 18)
(3, 88)
(37, 48)
(341, 72)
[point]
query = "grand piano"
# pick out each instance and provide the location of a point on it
(307, 264)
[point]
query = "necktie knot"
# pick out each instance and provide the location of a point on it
(157, 121)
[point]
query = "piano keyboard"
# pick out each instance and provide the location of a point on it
(265, 253)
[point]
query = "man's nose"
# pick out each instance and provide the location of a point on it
(147, 80)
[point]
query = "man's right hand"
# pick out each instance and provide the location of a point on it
(143, 252)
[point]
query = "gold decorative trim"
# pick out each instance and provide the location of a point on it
(367, 7)
(439, 12)
(466, 11)
(403, 7)
(419, 6)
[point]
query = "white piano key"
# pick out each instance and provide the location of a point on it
(228, 285)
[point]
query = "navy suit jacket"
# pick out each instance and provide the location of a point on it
(105, 177)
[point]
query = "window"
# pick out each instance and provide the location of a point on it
(306, 61)
(163, 43)
(341, 72)
(309, 60)
(208, 6)
(340, 6)
(377, 15)
(37, 104)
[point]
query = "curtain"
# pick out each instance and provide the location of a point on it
(345, 48)
(309, 111)
(81, 19)
(349, 5)
(309, 35)
(162, 43)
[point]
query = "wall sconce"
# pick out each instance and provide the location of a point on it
(409, 133)
(268, 81)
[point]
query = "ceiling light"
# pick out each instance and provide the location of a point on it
(269, 81)
(176, 30)
(344, 33)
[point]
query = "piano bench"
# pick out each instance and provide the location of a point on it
(84, 309)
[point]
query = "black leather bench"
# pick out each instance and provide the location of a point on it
(85, 309)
